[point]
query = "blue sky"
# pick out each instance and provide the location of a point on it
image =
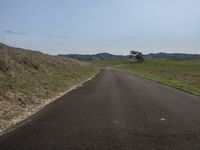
(92, 26)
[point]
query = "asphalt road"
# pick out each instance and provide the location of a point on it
(114, 111)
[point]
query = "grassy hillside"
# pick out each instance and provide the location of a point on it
(27, 78)
(182, 74)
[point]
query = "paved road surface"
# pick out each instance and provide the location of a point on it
(114, 111)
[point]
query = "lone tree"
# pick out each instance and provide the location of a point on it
(138, 55)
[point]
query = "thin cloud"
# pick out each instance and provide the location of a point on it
(15, 33)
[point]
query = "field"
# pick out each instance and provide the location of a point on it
(181, 74)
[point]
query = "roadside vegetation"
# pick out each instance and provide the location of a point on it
(29, 78)
(181, 74)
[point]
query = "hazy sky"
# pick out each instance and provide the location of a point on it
(91, 26)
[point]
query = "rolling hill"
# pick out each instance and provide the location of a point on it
(107, 56)
(99, 56)
(172, 56)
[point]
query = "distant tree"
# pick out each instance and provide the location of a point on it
(138, 55)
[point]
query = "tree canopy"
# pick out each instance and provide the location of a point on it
(138, 55)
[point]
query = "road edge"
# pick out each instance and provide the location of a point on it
(12, 125)
(180, 89)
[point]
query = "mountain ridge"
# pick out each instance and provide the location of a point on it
(108, 56)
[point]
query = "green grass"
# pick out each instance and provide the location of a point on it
(44, 84)
(35, 74)
(181, 74)
(30, 78)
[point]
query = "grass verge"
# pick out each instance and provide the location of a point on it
(181, 74)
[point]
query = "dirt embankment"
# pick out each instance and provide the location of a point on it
(31, 79)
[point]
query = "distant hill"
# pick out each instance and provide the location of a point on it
(107, 56)
(99, 56)
(172, 56)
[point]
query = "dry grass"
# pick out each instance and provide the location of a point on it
(28, 78)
